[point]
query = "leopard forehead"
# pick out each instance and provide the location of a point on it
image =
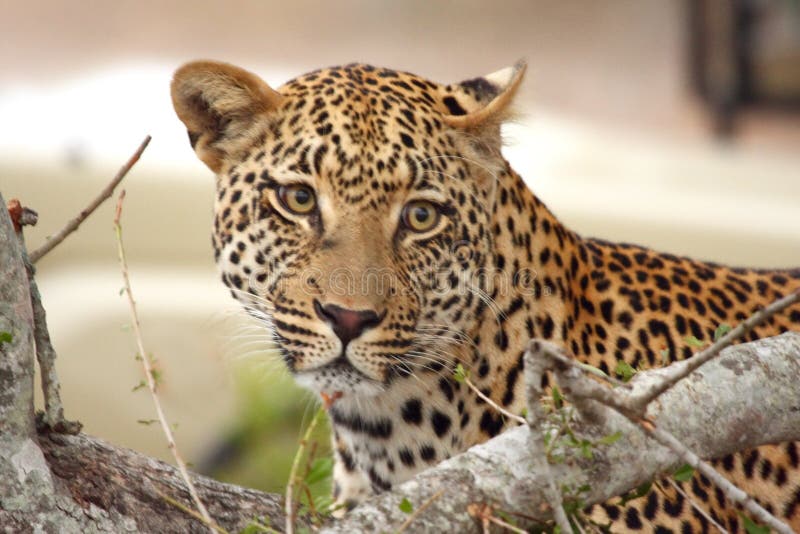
(364, 136)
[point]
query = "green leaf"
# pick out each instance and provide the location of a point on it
(751, 527)
(609, 439)
(321, 469)
(586, 449)
(721, 331)
(639, 492)
(146, 422)
(157, 375)
(5, 337)
(461, 374)
(624, 371)
(141, 385)
(524, 413)
(592, 369)
(405, 506)
(693, 342)
(558, 399)
(683, 473)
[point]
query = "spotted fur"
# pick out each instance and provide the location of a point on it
(496, 270)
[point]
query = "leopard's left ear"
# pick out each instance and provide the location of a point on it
(221, 105)
(479, 106)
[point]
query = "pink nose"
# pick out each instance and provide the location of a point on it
(347, 324)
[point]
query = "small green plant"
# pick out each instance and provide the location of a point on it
(693, 342)
(5, 337)
(751, 527)
(683, 473)
(405, 506)
(558, 399)
(610, 439)
(721, 331)
(147, 422)
(460, 374)
(624, 371)
(259, 525)
(637, 493)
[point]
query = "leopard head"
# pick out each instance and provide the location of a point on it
(353, 211)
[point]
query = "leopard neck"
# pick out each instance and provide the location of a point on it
(537, 259)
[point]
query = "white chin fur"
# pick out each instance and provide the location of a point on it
(347, 382)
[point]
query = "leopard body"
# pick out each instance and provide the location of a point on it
(495, 269)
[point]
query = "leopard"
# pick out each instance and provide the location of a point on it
(369, 221)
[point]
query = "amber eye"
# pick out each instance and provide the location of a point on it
(420, 215)
(297, 198)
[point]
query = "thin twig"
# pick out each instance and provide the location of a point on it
(309, 464)
(148, 371)
(289, 507)
(182, 507)
(692, 502)
(73, 224)
(410, 519)
(490, 402)
(680, 370)
(508, 526)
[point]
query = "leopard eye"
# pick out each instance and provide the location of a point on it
(420, 215)
(297, 198)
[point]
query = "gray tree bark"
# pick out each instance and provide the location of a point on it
(53, 482)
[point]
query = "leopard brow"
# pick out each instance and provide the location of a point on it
(425, 187)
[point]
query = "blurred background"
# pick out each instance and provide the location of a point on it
(674, 124)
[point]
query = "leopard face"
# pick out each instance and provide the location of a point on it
(368, 219)
(344, 221)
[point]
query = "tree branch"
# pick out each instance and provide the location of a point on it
(709, 419)
(74, 223)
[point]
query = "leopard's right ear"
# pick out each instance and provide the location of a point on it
(221, 106)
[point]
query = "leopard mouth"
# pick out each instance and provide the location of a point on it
(342, 365)
(338, 377)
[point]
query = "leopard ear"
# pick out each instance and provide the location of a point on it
(221, 105)
(480, 105)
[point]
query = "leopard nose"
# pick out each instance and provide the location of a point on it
(347, 324)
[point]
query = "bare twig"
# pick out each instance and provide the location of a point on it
(418, 511)
(490, 402)
(148, 371)
(73, 224)
(579, 388)
(312, 454)
(680, 370)
(696, 506)
(534, 370)
(180, 506)
(485, 512)
(291, 509)
(506, 525)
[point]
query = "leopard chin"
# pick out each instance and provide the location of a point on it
(339, 379)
